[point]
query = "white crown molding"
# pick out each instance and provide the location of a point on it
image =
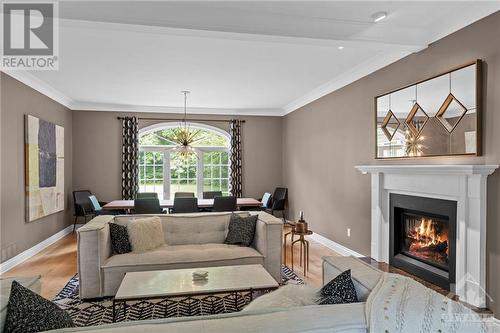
(377, 62)
(33, 82)
(340, 249)
(25, 255)
(81, 106)
(226, 35)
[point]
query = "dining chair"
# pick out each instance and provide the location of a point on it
(97, 209)
(81, 206)
(184, 195)
(212, 194)
(147, 206)
(278, 202)
(145, 195)
(266, 200)
(224, 204)
(185, 205)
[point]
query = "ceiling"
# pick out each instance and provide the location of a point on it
(236, 57)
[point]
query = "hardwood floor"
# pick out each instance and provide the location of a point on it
(316, 251)
(56, 264)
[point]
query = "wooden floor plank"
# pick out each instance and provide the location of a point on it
(56, 264)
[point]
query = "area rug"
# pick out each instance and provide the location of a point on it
(101, 312)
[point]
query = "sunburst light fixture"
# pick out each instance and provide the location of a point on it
(413, 144)
(185, 137)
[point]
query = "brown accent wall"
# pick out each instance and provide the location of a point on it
(324, 140)
(97, 149)
(17, 100)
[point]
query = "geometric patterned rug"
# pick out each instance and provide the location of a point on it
(100, 312)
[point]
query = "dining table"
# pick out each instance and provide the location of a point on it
(202, 203)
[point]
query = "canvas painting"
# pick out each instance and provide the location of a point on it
(44, 144)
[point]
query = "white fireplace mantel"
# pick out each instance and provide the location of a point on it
(465, 184)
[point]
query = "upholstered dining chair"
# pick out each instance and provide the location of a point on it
(212, 194)
(145, 195)
(278, 202)
(224, 204)
(184, 195)
(82, 206)
(97, 208)
(147, 206)
(185, 205)
(266, 200)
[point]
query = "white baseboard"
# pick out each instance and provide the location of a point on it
(25, 255)
(340, 249)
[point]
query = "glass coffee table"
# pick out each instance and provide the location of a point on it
(179, 282)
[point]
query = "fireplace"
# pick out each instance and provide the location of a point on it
(423, 237)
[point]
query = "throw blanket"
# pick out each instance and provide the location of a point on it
(400, 304)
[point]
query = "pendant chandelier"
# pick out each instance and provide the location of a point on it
(185, 137)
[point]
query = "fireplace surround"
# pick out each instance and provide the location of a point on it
(464, 184)
(422, 238)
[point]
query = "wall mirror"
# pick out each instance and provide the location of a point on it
(439, 116)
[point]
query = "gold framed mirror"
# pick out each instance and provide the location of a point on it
(438, 116)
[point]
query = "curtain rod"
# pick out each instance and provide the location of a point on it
(180, 119)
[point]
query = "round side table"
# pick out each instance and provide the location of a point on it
(304, 248)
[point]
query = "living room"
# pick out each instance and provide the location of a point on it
(324, 121)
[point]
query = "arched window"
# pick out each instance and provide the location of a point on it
(161, 170)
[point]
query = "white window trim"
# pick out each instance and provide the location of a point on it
(167, 149)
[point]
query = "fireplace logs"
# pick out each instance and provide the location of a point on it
(426, 239)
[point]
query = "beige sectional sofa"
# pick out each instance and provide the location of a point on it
(345, 318)
(192, 240)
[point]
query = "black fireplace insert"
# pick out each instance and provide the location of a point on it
(423, 237)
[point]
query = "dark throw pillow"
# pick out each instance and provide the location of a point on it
(29, 312)
(119, 239)
(241, 230)
(339, 291)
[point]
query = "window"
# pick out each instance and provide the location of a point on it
(162, 171)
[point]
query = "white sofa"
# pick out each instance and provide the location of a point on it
(418, 309)
(193, 240)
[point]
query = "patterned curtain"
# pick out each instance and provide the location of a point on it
(236, 181)
(130, 156)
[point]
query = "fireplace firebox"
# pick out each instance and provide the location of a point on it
(423, 237)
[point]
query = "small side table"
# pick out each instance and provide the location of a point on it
(304, 248)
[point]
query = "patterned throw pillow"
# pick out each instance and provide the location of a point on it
(29, 312)
(339, 291)
(241, 230)
(119, 239)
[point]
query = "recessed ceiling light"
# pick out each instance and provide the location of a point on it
(340, 47)
(379, 16)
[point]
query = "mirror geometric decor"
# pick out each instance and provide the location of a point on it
(438, 116)
(451, 112)
(390, 125)
(416, 120)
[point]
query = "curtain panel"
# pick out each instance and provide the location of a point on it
(236, 181)
(130, 158)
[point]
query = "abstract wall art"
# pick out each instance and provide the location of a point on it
(44, 167)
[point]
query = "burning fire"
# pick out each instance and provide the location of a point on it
(426, 238)
(426, 234)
